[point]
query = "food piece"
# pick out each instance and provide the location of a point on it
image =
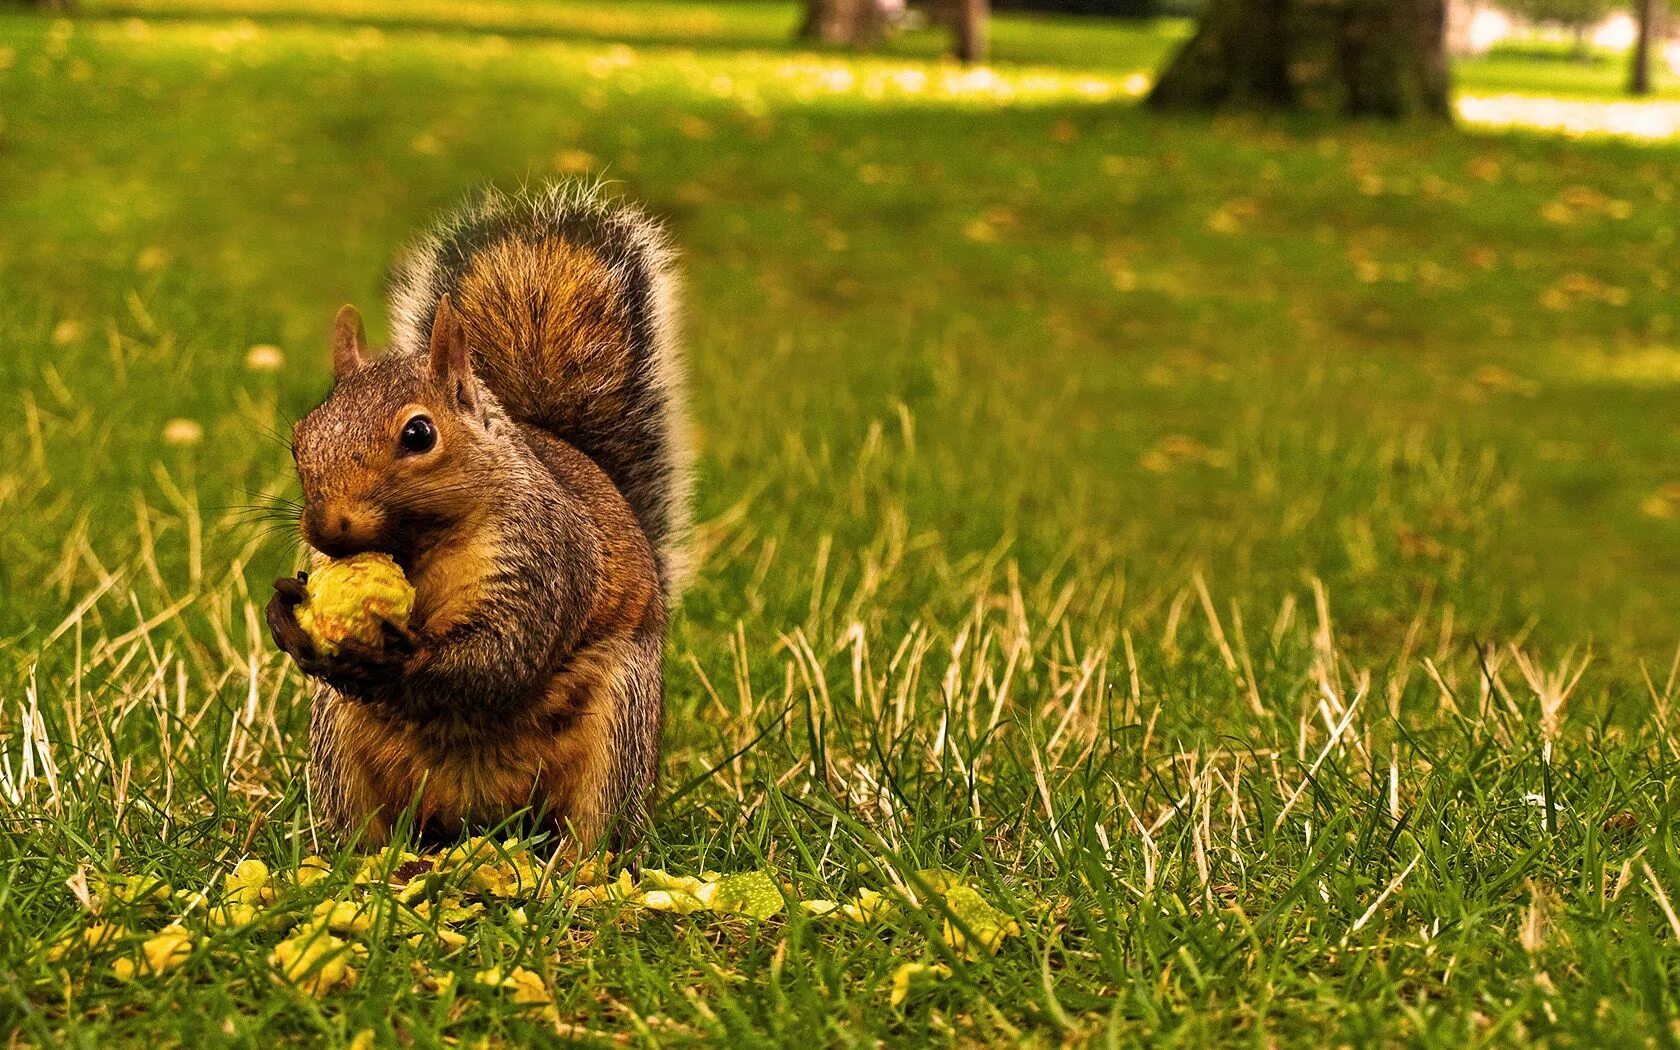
(915, 973)
(987, 926)
(753, 894)
(169, 949)
(312, 960)
(349, 599)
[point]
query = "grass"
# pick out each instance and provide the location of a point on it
(1243, 551)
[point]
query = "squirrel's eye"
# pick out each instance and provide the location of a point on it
(418, 435)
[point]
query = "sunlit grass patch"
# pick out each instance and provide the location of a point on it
(1656, 366)
(1642, 119)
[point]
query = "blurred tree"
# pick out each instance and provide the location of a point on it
(855, 23)
(1649, 14)
(1577, 16)
(968, 21)
(971, 30)
(1105, 8)
(1382, 58)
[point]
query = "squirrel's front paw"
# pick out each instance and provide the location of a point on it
(354, 669)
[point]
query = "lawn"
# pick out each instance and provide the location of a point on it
(1242, 551)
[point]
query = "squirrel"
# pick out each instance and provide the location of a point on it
(521, 451)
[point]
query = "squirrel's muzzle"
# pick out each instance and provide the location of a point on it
(340, 528)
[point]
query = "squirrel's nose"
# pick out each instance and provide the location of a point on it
(339, 529)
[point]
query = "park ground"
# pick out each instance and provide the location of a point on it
(1243, 551)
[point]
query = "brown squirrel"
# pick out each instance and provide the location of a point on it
(521, 452)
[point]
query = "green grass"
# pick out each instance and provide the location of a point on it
(1185, 530)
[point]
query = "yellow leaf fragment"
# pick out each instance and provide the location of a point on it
(449, 911)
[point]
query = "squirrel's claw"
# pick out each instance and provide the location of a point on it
(398, 638)
(281, 615)
(361, 670)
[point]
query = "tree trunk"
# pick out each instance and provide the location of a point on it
(971, 32)
(853, 23)
(1380, 58)
(1639, 82)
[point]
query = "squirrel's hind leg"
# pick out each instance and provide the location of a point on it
(605, 750)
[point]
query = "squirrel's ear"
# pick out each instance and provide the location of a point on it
(349, 342)
(449, 352)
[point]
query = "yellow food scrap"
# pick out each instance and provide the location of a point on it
(476, 849)
(236, 914)
(443, 935)
(450, 911)
(819, 908)
(313, 961)
(313, 869)
(938, 879)
(987, 926)
(382, 866)
(871, 905)
(248, 883)
(93, 937)
(671, 900)
(346, 916)
(432, 983)
(915, 973)
(595, 871)
(620, 889)
(159, 954)
(753, 894)
(128, 891)
(350, 598)
(523, 986)
(506, 871)
(658, 879)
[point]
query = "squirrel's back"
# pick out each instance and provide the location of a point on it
(567, 301)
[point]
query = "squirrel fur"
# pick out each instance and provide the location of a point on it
(521, 451)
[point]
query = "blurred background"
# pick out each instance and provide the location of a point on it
(1379, 294)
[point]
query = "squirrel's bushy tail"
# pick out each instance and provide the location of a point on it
(567, 299)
